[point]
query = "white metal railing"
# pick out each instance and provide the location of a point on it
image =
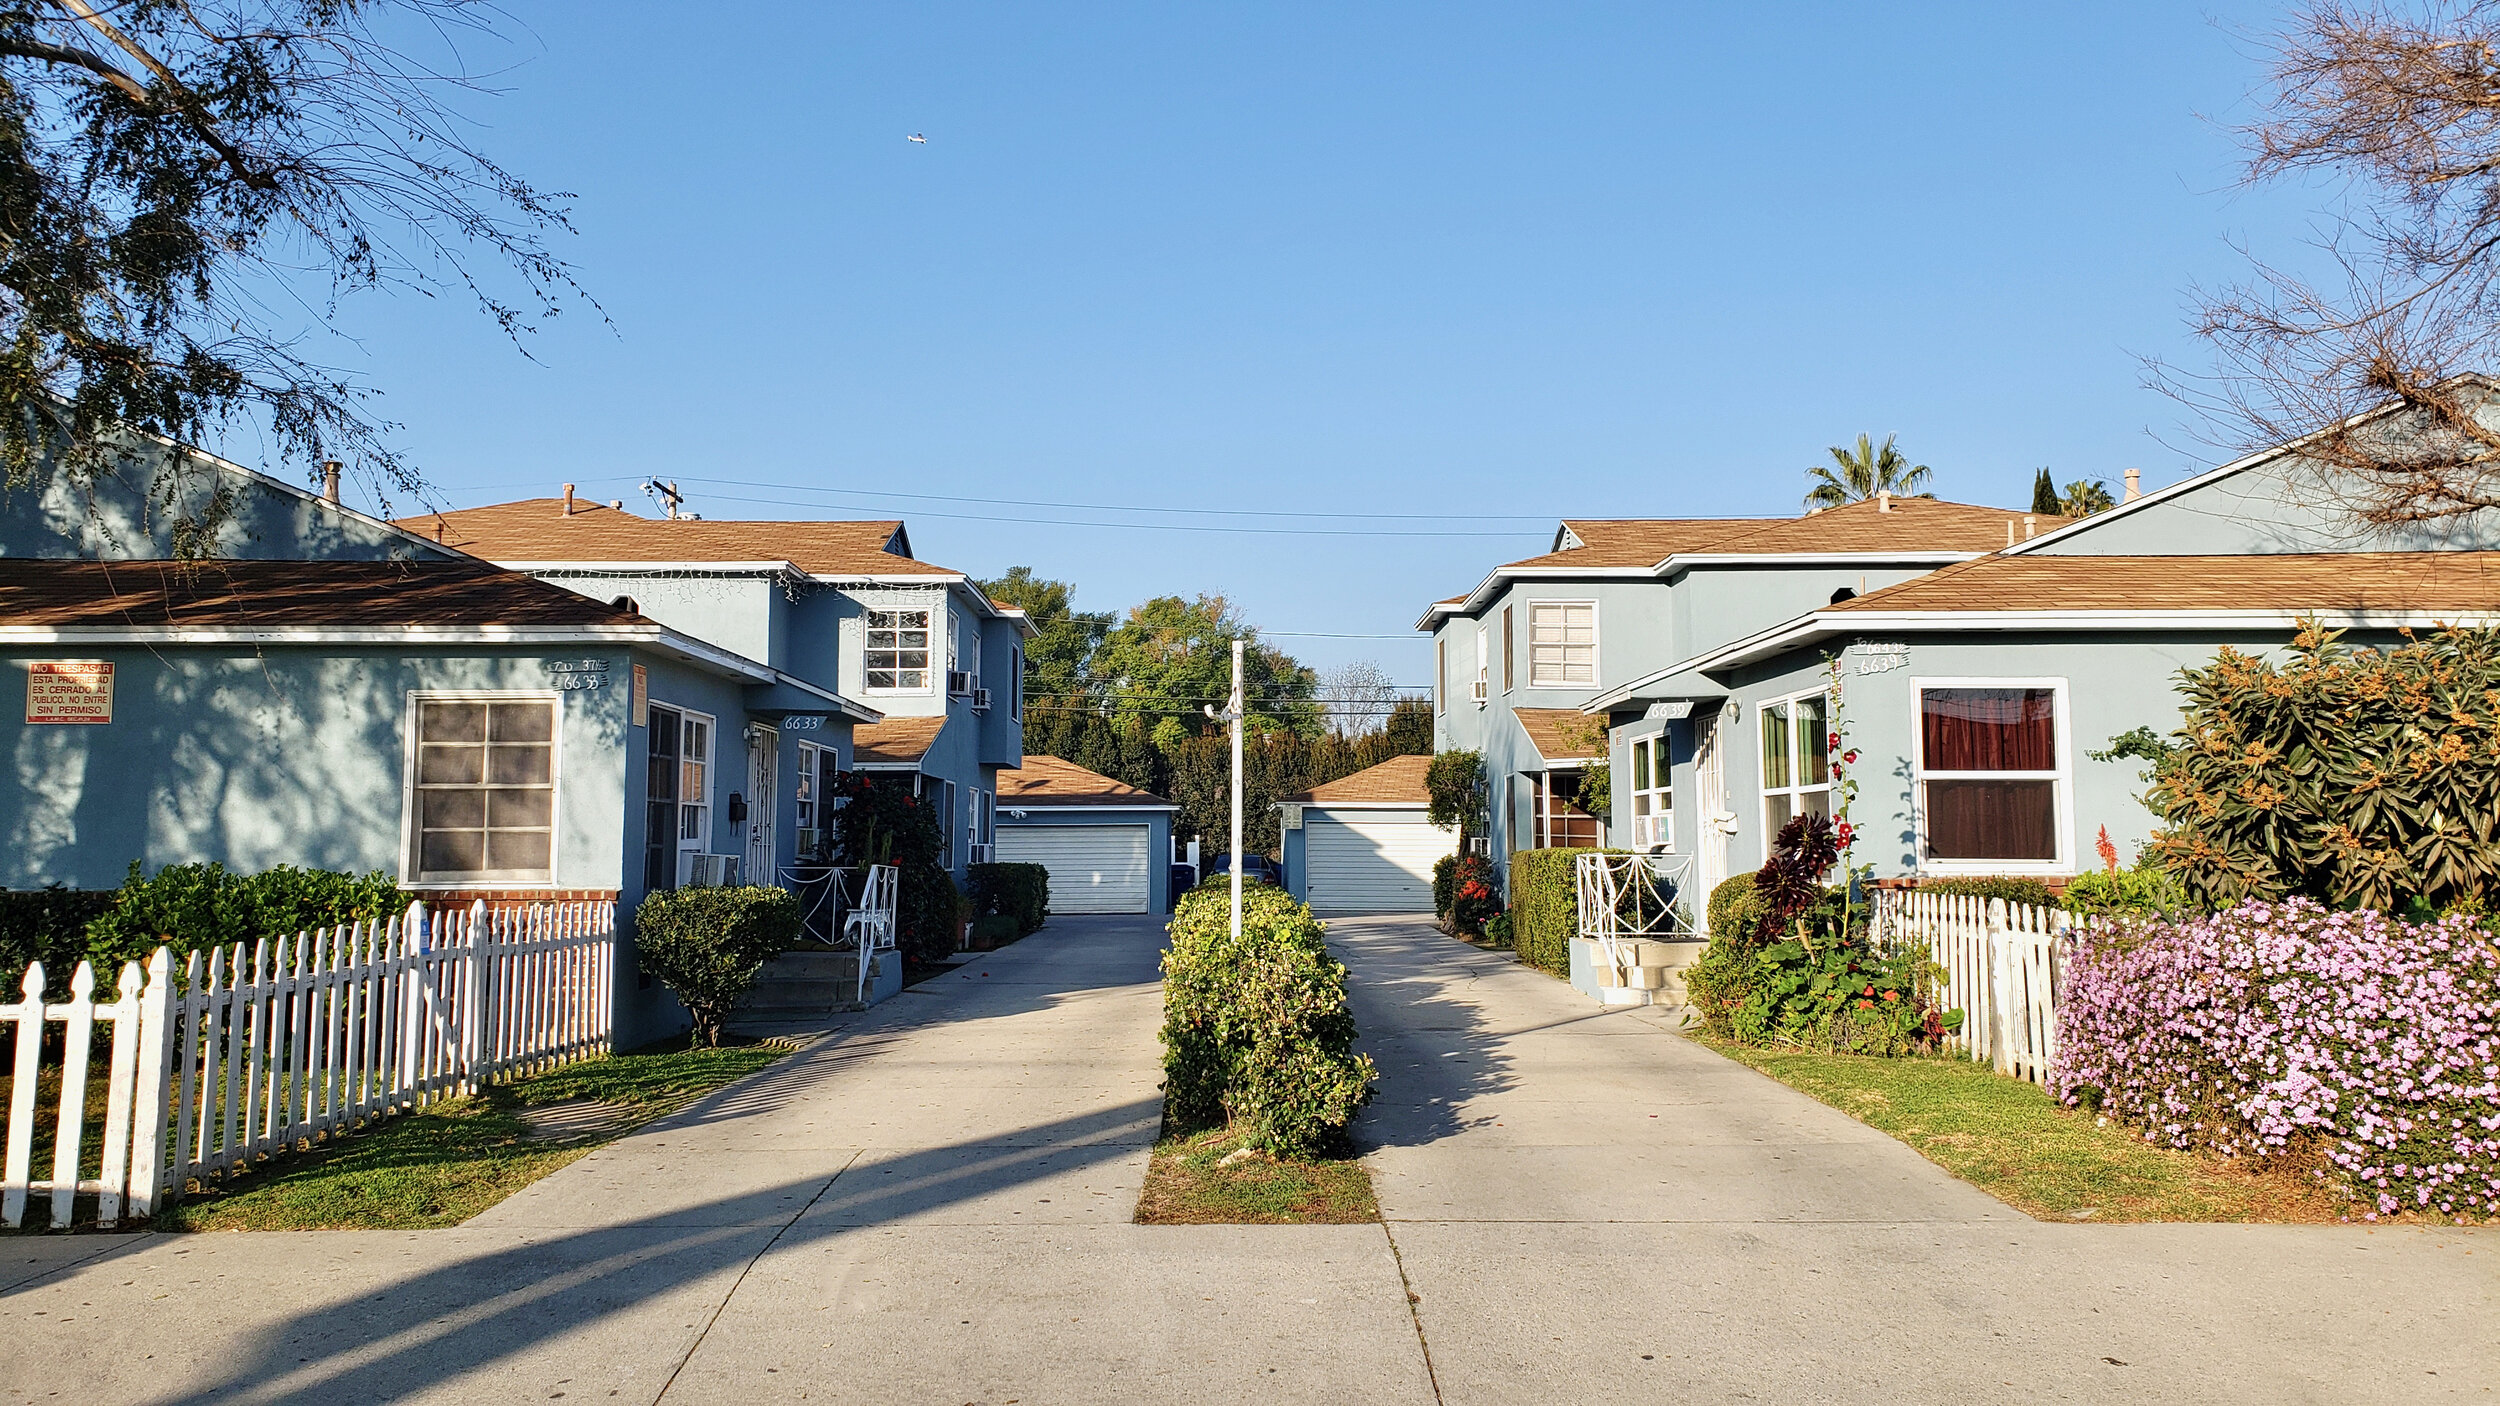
(251, 1051)
(2004, 968)
(869, 927)
(1623, 897)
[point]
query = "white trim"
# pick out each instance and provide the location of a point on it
(647, 568)
(408, 786)
(1596, 642)
(1009, 805)
(2062, 787)
(658, 637)
(1488, 590)
(700, 844)
(1795, 790)
(1325, 806)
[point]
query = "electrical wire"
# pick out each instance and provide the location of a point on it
(1107, 507)
(1165, 526)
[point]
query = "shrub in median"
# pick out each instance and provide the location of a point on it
(1019, 893)
(2287, 1028)
(706, 945)
(1256, 1031)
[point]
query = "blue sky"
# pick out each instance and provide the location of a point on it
(1490, 264)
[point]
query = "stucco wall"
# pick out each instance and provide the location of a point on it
(112, 517)
(2277, 506)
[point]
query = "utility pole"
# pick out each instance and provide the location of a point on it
(1234, 707)
(1232, 714)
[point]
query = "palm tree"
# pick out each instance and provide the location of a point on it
(1854, 478)
(2084, 497)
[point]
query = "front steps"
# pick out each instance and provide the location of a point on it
(816, 981)
(1652, 974)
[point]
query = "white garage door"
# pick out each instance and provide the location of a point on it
(1093, 868)
(1372, 863)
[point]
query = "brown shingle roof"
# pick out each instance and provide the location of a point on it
(1641, 541)
(1399, 780)
(539, 530)
(277, 594)
(1913, 525)
(894, 742)
(1050, 781)
(1552, 731)
(2391, 581)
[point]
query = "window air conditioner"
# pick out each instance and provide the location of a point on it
(707, 871)
(958, 682)
(1477, 691)
(980, 853)
(980, 700)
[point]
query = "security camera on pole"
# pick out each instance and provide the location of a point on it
(1232, 715)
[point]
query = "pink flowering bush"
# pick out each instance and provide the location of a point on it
(2276, 1028)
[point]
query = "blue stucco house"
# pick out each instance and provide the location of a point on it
(1518, 659)
(839, 607)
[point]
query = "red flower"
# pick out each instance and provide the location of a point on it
(1866, 1005)
(1834, 744)
(1892, 995)
(1850, 756)
(1870, 989)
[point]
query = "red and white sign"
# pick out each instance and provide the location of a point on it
(69, 691)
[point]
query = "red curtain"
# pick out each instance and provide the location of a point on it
(1988, 729)
(1992, 820)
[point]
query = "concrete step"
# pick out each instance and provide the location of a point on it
(818, 982)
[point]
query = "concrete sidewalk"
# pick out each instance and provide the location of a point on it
(933, 1205)
(1586, 1203)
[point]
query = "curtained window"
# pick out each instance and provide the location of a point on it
(1988, 774)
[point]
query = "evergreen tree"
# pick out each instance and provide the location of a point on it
(2044, 498)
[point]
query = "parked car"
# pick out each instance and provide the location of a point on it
(1256, 868)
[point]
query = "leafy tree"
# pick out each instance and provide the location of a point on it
(1059, 657)
(1459, 793)
(177, 174)
(2084, 497)
(1409, 729)
(2044, 497)
(1172, 657)
(1856, 476)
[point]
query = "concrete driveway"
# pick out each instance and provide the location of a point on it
(932, 1205)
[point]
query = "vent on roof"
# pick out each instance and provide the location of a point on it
(627, 603)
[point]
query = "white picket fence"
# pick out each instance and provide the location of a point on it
(2005, 969)
(251, 1051)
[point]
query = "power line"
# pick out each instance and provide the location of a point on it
(1107, 507)
(1163, 526)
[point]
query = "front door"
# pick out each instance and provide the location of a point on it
(1710, 806)
(763, 750)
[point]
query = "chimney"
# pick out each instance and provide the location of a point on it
(2135, 484)
(2009, 532)
(330, 480)
(568, 500)
(617, 503)
(2031, 525)
(1883, 501)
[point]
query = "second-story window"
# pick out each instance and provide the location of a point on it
(1562, 643)
(898, 651)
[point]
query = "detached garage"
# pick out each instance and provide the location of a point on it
(1361, 844)
(1107, 845)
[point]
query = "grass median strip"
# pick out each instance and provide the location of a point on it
(2012, 1140)
(1210, 1179)
(440, 1165)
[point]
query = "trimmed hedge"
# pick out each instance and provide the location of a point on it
(1545, 907)
(1735, 910)
(706, 945)
(1019, 893)
(47, 925)
(2013, 888)
(192, 906)
(1257, 1034)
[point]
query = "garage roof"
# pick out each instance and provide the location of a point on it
(1048, 781)
(1397, 781)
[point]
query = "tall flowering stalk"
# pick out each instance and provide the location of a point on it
(1844, 758)
(2277, 1027)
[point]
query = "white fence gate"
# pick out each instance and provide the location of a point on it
(2005, 968)
(249, 1052)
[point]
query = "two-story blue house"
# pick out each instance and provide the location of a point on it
(842, 606)
(1518, 659)
(328, 690)
(1975, 695)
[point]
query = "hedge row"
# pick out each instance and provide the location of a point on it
(1544, 906)
(1019, 893)
(182, 906)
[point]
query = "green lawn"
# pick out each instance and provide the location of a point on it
(443, 1164)
(2012, 1140)
(1186, 1186)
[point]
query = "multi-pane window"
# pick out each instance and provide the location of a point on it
(1483, 674)
(898, 651)
(676, 791)
(1796, 762)
(1653, 794)
(940, 796)
(1988, 773)
(1510, 653)
(485, 789)
(983, 822)
(1560, 822)
(1562, 643)
(815, 818)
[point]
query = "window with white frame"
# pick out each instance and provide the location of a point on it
(1991, 769)
(940, 796)
(1653, 794)
(482, 786)
(1440, 676)
(982, 823)
(815, 818)
(1796, 761)
(677, 790)
(1562, 643)
(1015, 683)
(1484, 675)
(898, 651)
